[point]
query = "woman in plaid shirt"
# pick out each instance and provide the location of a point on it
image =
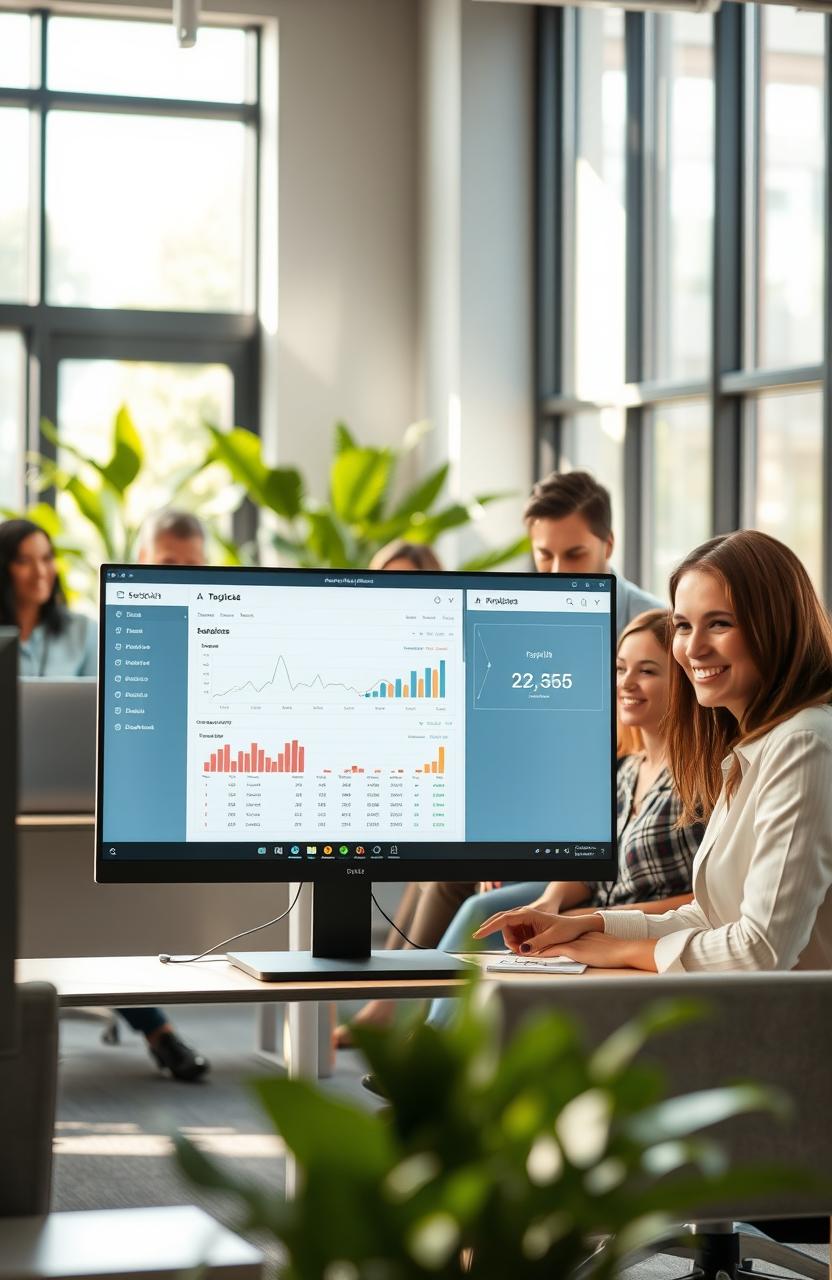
(655, 858)
(655, 854)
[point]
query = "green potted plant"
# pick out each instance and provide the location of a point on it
(363, 508)
(491, 1160)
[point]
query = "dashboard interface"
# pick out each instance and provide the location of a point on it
(325, 715)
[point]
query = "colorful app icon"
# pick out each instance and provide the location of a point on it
(327, 848)
(295, 848)
(262, 850)
(311, 849)
(344, 849)
(359, 849)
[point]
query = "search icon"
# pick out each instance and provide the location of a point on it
(570, 602)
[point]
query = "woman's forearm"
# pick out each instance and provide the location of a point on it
(563, 895)
(656, 908)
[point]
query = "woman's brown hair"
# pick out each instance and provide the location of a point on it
(657, 622)
(789, 639)
(419, 554)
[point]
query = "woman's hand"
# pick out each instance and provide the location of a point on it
(528, 930)
(603, 951)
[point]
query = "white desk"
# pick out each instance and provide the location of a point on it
(116, 1244)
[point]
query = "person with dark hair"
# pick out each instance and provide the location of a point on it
(54, 641)
(749, 746)
(173, 537)
(569, 519)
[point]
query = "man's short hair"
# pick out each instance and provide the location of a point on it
(173, 523)
(568, 493)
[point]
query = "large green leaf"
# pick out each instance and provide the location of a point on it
(326, 541)
(344, 439)
(241, 452)
(90, 503)
(283, 492)
(128, 452)
(677, 1117)
(358, 481)
(322, 1131)
(424, 495)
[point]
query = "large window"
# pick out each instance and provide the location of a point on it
(698, 143)
(127, 238)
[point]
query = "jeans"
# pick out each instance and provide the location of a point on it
(470, 916)
(145, 1020)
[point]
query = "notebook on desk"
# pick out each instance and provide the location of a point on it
(57, 726)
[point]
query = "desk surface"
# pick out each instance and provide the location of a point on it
(140, 980)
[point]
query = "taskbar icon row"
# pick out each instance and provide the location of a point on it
(301, 851)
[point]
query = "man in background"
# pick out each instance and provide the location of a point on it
(569, 519)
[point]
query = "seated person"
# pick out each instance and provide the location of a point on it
(56, 642)
(655, 853)
(749, 747)
(569, 521)
(172, 537)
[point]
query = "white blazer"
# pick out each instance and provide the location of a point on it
(762, 874)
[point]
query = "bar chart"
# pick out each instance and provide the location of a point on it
(292, 759)
(428, 682)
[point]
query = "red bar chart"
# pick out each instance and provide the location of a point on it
(255, 759)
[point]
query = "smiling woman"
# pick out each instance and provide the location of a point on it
(749, 742)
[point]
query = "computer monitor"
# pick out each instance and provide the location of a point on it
(345, 726)
(57, 745)
(8, 838)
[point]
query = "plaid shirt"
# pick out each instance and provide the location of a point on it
(655, 856)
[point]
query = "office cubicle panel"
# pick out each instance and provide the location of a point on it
(8, 840)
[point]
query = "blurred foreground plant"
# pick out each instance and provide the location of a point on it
(492, 1161)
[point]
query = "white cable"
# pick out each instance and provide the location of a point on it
(166, 959)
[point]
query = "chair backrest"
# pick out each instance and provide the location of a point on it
(27, 1104)
(769, 1028)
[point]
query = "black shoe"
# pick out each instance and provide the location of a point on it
(371, 1083)
(173, 1055)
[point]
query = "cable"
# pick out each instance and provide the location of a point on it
(166, 959)
(417, 946)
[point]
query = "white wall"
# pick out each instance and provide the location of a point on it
(476, 166)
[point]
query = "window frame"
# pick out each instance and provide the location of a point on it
(732, 382)
(52, 332)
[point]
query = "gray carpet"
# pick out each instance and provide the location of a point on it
(116, 1115)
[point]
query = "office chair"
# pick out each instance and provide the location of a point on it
(771, 1028)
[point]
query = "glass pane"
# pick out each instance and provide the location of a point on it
(684, 196)
(791, 215)
(789, 474)
(681, 486)
(600, 203)
(168, 403)
(15, 50)
(14, 201)
(95, 55)
(594, 442)
(12, 418)
(146, 211)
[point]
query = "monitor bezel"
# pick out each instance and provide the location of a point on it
(245, 871)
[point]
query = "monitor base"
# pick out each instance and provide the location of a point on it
(395, 966)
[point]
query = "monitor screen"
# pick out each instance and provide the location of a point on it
(280, 724)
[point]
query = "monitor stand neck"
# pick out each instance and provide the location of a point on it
(342, 919)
